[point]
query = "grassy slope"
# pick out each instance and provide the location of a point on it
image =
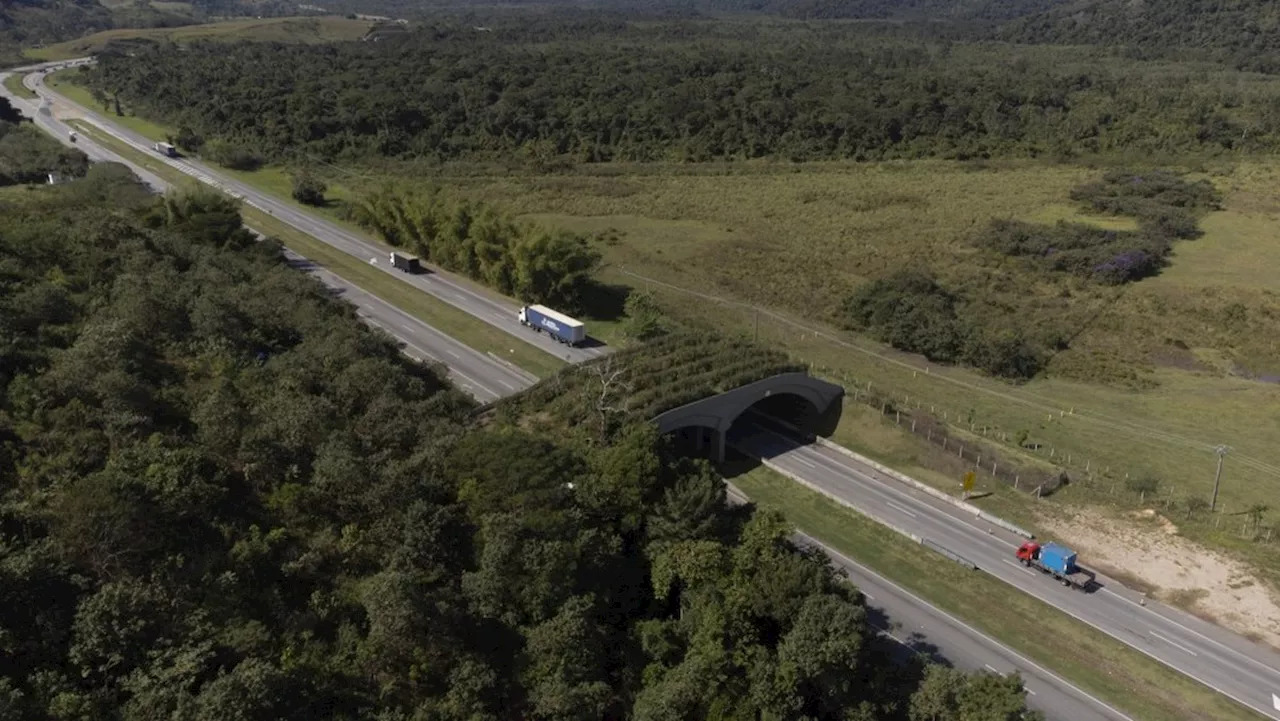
(1098, 664)
(14, 84)
(288, 30)
(440, 315)
(750, 233)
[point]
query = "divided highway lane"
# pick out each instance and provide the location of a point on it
(918, 626)
(497, 313)
(910, 621)
(488, 378)
(484, 377)
(1223, 661)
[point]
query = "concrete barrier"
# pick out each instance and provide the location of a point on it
(908, 480)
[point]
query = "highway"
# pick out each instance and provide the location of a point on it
(1224, 661)
(469, 298)
(483, 376)
(913, 623)
(488, 378)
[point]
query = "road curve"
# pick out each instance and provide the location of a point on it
(1244, 671)
(497, 312)
(915, 623)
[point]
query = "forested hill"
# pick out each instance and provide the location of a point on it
(677, 92)
(1246, 32)
(917, 10)
(28, 23)
(224, 498)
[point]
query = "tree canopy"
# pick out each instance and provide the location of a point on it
(223, 497)
(596, 90)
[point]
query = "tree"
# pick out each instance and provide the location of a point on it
(553, 268)
(188, 140)
(308, 189)
(645, 320)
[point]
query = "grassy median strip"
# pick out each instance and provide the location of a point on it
(14, 84)
(1113, 672)
(440, 315)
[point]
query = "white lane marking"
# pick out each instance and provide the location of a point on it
(868, 596)
(1171, 642)
(1194, 632)
(900, 508)
(508, 385)
(1024, 688)
(455, 355)
(992, 669)
(1275, 701)
(806, 462)
(1019, 566)
(1046, 673)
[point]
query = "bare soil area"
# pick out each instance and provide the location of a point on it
(1180, 572)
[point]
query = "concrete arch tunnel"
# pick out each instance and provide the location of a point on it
(719, 412)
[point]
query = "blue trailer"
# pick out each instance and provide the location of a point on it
(558, 325)
(1056, 560)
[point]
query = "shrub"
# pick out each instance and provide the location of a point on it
(231, 155)
(308, 189)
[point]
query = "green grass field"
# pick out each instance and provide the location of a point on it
(283, 30)
(795, 239)
(61, 82)
(440, 315)
(14, 85)
(1092, 660)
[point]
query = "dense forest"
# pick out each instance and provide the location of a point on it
(28, 155)
(223, 497)
(682, 92)
(1242, 32)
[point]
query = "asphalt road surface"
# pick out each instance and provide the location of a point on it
(487, 378)
(499, 313)
(1224, 661)
(483, 376)
(920, 628)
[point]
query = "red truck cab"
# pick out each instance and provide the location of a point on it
(1028, 552)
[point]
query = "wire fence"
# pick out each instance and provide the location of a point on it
(1012, 458)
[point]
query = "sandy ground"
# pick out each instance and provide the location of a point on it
(1181, 573)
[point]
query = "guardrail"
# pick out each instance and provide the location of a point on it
(952, 555)
(904, 478)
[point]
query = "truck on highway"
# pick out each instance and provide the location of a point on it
(1056, 560)
(407, 263)
(557, 325)
(166, 149)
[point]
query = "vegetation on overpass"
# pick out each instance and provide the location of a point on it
(639, 383)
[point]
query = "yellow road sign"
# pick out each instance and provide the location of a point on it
(968, 480)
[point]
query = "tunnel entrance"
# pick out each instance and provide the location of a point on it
(808, 403)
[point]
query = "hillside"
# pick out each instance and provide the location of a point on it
(1244, 31)
(898, 10)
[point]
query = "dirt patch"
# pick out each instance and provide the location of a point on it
(1175, 570)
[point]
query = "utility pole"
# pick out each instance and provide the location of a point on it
(1217, 477)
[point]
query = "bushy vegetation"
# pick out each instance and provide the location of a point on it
(524, 260)
(1166, 207)
(909, 310)
(28, 155)
(912, 310)
(609, 91)
(1243, 32)
(640, 382)
(226, 498)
